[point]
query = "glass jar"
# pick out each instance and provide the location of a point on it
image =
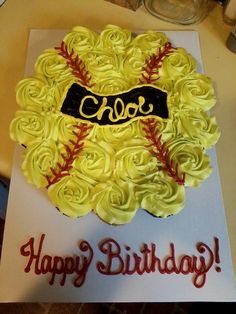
(230, 12)
(178, 11)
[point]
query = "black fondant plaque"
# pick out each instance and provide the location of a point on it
(141, 101)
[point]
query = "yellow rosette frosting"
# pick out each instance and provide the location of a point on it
(81, 40)
(178, 64)
(72, 196)
(160, 195)
(198, 126)
(115, 169)
(61, 127)
(116, 135)
(134, 162)
(195, 92)
(39, 158)
(99, 62)
(52, 66)
(133, 65)
(112, 83)
(114, 202)
(31, 93)
(149, 41)
(114, 39)
(28, 126)
(191, 159)
(95, 161)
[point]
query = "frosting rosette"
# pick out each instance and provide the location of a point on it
(72, 196)
(99, 63)
(178, 64)
(52, 66)
(28, 126)
(61, 127)
(133, 65)
(112, 83)
(81, 40)
(116, 135)
(191, 159)
(160, 195)
(198, 126)
(195, 92)
(149, 42)
(39, 158)
(134, 162)
(166, 84)
(114, 202)
(114, 38)
(32, 93)
(89, 161)
(95, 161)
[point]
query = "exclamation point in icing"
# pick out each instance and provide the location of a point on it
(217, 256)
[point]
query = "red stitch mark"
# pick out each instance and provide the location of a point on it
(160, 151)
(156, 147)
(79, 70)
(76, 64)
(153, 63)
(71, 154)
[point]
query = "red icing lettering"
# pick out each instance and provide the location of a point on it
(57, 265)
(121, 260)
(147, 261)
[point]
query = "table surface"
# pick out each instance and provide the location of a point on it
(18, 17)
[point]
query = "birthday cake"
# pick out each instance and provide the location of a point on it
(113, 122)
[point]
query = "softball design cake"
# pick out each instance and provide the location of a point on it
(114, 122)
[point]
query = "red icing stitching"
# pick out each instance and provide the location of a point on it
(153, 63)
(72, 153)
(79, 70)
(76, 64)
(160, 151)
(156, 147)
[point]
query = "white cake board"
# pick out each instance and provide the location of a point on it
(30, 215)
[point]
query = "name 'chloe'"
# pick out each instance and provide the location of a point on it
(140, 101)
